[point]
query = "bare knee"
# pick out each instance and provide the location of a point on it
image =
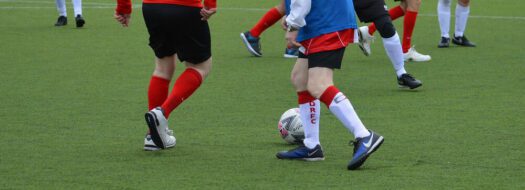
(319, 79)
(203, 68)
(316, 89)
(164, 67)
(281, 8)
(413, 5)
(299, 75)
(298, 81)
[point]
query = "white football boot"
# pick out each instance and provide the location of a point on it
(158, 127)
(413, 55)
(365, 39)
(149, 145)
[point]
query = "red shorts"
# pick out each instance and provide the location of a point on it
(330, 41)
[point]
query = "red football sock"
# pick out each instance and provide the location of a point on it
(394, 13)
(328, 95)
(372, 29)
(157, 91)
(408, 27)
(185, 85)
(304, 97)
(269, 19)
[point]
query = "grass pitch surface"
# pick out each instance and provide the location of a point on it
(72, 105)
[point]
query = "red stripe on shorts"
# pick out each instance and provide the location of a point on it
(328, 42)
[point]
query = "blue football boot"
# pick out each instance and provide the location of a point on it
(291, 53)
(252, 43)
(303, 153)
(364, 147)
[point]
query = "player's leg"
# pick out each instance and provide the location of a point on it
(163, 23)
(62, 13)
(269, 19)
(309, 109)
(411, 10)
(393, 49)
(195, 51)
(367, 11)
(409, 22)
(186, 84)
(395, 13)
(462, 13)
(158, 92)
(251, 37)
(159, 83)
(320, 85)
(77, 7)
(443, 10)
(374, 11)
(163, 45)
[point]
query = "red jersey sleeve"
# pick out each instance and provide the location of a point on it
(210, 3)
(123, 7)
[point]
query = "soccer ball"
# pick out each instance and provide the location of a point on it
(290, 126)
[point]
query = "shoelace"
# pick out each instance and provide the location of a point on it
(354, 143)
(408, 76)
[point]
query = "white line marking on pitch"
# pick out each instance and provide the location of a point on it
(112, 5)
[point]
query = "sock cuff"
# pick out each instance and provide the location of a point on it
(396, 12)
(274, 11)
(160, 79)
(194, 73)
(392, 38)
(304, 97)
(328, 95)
(411, 12)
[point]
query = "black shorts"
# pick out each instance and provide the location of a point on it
(369, 10)
(328, 59)
(176, 29)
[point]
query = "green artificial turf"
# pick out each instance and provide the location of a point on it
(72, 104)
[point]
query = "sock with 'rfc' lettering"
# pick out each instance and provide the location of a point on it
(309, 110)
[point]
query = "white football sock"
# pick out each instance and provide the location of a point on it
(310, 113)
(61, 7)
(77, 6)
(461, 19)
(395, 53)
(343, 110)
(444, 17)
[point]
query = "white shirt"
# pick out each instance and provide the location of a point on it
(298, 11)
